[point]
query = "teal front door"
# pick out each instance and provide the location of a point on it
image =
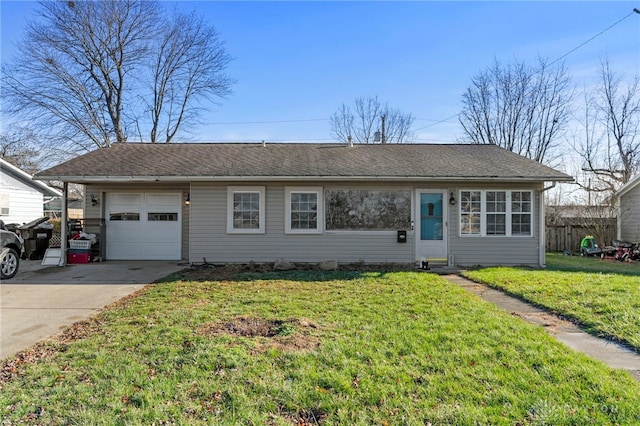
(431, 232)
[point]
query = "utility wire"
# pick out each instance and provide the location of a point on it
(266, 121)
(594, 37)
(435, 122)
(635, 10)
(293, 121)
(438, 122)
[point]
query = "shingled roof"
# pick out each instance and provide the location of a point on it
(302, 161)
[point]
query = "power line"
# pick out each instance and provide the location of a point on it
(437, 122)
(265, 121)
(434, 122)
(431, 119)
(594, 37)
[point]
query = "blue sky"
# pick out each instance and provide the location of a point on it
(296, 61)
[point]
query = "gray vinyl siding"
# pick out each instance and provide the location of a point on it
(98, 212)
(630, 215)
(210, 240)
(495, 250)
(205, 236)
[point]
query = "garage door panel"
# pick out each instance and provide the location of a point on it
(125, 199)
(147, 229)
(162, 199)
(161, 234)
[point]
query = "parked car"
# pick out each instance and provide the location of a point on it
(10, 251)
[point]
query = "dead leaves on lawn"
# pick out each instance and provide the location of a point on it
(12, 366)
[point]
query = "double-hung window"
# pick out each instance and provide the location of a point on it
(521, 207)
(303, 210)
(496, 213)
(470, 212)
(246, 209)
(496, 203)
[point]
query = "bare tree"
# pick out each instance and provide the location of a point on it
(610, 143)
(20, 148)
(518, 107)
(190, 65)
(370, 121)
(86, 67)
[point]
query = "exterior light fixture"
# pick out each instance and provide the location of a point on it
(452, 199)
(187, 199)
(94, 200)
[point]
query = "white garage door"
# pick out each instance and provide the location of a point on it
(143, 226)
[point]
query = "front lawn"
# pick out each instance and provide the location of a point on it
(605, 298)
(313, 348)
(559, 262)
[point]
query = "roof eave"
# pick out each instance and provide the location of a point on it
(628, 187)
(29, 180)
(332, 178)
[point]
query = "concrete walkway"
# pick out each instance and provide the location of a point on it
(610, 353)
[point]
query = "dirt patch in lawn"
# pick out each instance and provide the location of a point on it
(552, 323)
(220, 272)
(308, 417)
(287, 335)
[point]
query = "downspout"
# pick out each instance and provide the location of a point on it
(63, 226)
(618, 211)
(543, 243)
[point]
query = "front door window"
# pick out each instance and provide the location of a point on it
(431, 216)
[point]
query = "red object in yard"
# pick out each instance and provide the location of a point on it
(76, 258)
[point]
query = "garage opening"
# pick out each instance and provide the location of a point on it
(143, 226)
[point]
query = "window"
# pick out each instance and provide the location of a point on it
(124, 216)
(496, 212)
(245, 209)
(499, 213)
(520, 213)
(470, 211)
(367, 210)
(303, 210)
(162, 217)
(4, 204)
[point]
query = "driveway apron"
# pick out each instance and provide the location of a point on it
(40, 301)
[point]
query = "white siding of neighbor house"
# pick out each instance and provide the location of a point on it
(210, 240)
(24, 202)
(630, 215)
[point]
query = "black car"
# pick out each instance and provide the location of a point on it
(10, 252)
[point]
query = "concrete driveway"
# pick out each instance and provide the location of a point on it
(40, 301)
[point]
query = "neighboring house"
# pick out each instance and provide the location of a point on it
(21, 197)
(75, 208)
(628, 198)
(455, 204)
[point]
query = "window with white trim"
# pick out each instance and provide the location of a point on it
(496, 213)
(470, 212)
(521, 208)
(303, 210)
(4, 204)
(246, 209)
(496, 202)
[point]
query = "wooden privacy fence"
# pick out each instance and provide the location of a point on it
(567, 235)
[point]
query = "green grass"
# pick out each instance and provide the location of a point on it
(357, 349)
(558, 262)
(603, 296)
